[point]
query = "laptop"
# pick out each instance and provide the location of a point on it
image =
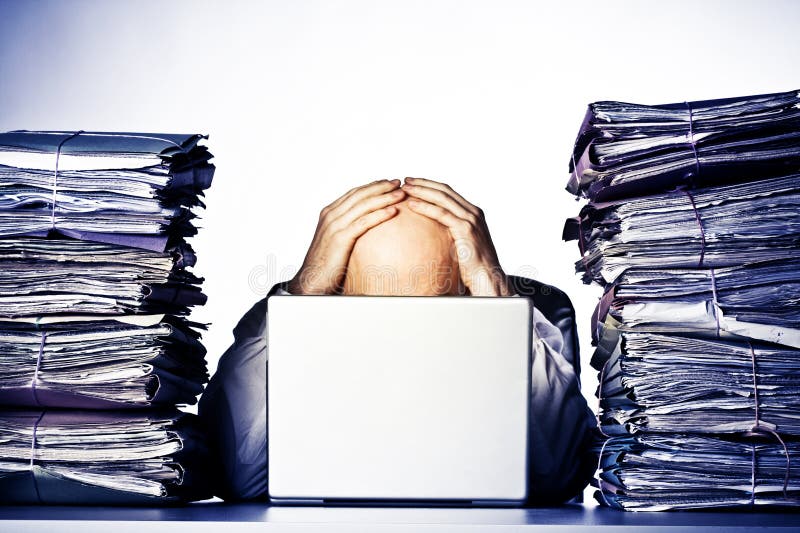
(398, 400)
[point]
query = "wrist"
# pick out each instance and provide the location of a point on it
(491, 282)
(313, 280)
(294, 287)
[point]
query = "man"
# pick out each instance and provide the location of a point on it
(421, 238)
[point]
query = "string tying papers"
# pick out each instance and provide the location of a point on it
(699, 225)
(703, 246)
(761, 428)
(753, 474)
(33, 456)
(55, 179)
(714, 300)
(600, 470)
(692, 144)
(69, 137)
(35, 379)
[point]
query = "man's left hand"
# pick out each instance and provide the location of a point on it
(478, 265)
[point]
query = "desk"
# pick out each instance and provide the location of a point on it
(218, 517)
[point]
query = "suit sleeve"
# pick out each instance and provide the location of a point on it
(233, 409)
(562, 425)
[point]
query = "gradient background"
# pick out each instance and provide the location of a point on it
(304, 100)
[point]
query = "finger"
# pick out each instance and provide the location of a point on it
(366, 205)
(440, 198)
(440, 214)
(464, 242)
(370, 189)
(447, 189)
(364, 223)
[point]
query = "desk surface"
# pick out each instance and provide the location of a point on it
(214, 516)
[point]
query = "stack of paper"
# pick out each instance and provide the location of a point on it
(693, 229)
(712, 226)
(41, 276)
(101, 456)
(131, 189)
(626, 149)
(95, 291)
(101, 364)
(755, 300)
(659, 472)
(669, 383)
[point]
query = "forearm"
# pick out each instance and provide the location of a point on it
(234, 409)
(561, 429)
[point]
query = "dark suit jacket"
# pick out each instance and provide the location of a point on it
(233, 406)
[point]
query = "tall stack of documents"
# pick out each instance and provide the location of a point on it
(96, 345)
(692, 226)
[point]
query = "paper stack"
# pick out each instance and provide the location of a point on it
(626, 150)
(96, 348)
(101, 457)
(693, 229)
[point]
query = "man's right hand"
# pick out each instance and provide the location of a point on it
(340, 224)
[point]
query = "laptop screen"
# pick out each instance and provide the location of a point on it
(398, 398)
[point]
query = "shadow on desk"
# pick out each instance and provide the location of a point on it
(215, 515)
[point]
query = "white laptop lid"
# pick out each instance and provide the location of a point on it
(398, 398)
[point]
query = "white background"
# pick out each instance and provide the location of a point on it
(304, 100)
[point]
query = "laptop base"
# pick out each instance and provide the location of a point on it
(341, 502)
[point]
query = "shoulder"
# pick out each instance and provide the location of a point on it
(254, 321)
(554, 316)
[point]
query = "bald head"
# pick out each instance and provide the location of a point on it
(408, 255)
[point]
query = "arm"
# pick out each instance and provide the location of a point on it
(561, 462)
(234, 410)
